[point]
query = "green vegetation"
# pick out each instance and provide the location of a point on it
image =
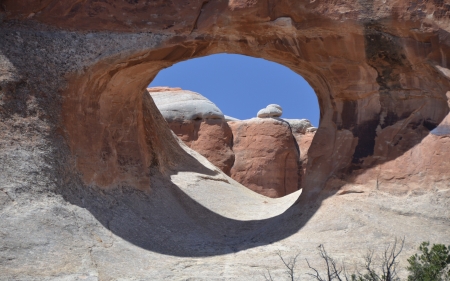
(430, 264)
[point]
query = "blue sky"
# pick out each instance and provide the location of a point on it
(240, 86)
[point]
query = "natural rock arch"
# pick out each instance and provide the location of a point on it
(379, 94)
(74, 75)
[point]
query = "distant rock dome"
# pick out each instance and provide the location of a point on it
(272, 110)
(176, 104)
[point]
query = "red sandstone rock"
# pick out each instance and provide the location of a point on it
(304, 142)
(75, 118)
(380, 71)
(266, 156)
(268, 161)
(211, 138)
(198, 122)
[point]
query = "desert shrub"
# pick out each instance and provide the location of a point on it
(431, 265)
(382, 269)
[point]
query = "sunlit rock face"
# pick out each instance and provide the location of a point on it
(198, 122)
(261, 153)
(267, 157)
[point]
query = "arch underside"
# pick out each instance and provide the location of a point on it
(378, 101)
(106, 181)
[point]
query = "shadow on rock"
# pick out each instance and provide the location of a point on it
(166, 220)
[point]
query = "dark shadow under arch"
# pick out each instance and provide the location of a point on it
(130, 212)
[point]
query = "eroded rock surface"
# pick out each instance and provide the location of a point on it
(261, 154)
(304, 132)
(272, 110)
(180, 105)
(266, 156)
(94, 186)
(198, 122)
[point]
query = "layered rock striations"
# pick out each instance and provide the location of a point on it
(380, 70)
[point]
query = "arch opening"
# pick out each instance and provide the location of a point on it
(267, 155)
(126, 192)
(114, 115)
(121, 143)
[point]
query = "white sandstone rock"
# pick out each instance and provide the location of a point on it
(229, 118)
(176, 104)
(275, 105)
(272, 110)
(263, 113)
(299, 125)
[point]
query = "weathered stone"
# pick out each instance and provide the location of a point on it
(95, 186)
(198, 122)
(277, 175)
(299, 126)
(180, 105)
(266, 156)
(272, 110)
(229, 118)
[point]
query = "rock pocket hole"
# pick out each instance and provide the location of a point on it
(252, 118)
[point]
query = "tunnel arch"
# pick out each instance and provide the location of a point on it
(121, 141)
(113, 84)
(381, 67)
(274, 162)
(354, 105)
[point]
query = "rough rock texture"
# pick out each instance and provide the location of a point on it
(266, 156)
(180, 105)
(272, 110)
(304, 133)
(94, 186)
(299, 126)
(198, 122)
(384, 78)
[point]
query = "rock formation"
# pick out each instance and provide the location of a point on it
(272, 110)
(261, 154)
(198, 122)
(94, 186)
(266, 156)
(304, 133)
(229, 118)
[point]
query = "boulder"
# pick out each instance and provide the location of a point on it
(198, 122)
(272, 110)
(180, 105)
(261, 154)
(299, 126)
(266, 156)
